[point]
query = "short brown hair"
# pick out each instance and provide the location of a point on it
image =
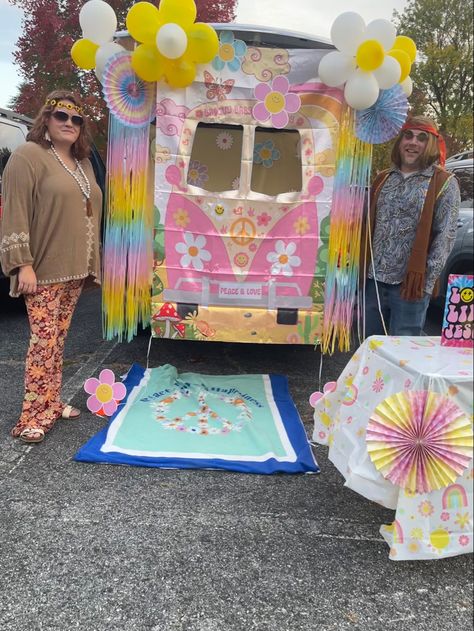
(81, 148)
(430, 154)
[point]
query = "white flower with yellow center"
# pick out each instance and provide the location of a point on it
(283, 259)
(193, 251)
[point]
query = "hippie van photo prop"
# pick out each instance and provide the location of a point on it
(244, 173)
(245, 216)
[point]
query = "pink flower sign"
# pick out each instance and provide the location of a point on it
(105, 393)
(275, 102)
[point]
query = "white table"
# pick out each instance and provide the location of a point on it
(426, 526)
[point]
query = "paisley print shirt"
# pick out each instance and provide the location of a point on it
(398, 211)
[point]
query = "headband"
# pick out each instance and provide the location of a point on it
(430, 130)
(68, 106)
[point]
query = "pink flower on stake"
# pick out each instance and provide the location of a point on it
(275, 103)
(105, 393)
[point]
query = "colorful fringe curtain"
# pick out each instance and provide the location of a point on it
(351, 182)
(127, 251)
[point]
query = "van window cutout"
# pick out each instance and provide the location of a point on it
(216, 157)
(276, 164)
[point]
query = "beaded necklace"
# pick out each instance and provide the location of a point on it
(83, 184)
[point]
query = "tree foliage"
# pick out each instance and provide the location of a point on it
(443, 72)
(49, 29)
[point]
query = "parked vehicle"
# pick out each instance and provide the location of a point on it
(464, 155)
(13, 131)
(460, 260)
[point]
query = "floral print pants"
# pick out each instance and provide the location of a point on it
(50, 311)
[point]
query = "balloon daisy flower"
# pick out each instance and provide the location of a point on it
(171, 42)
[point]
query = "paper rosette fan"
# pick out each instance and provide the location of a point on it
(419, 440)
(384, 119)
(128, 98)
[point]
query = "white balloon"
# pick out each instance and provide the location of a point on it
(171, 40)
(103, 54)
(407, 86)
(335, 68)
(383, 31)
(362, 90)
(98, 21)
(388, 74)
(348, 32)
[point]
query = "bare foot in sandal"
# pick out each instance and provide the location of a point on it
(70, 412)
(32, 435)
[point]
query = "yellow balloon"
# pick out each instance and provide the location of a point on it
(404, 60)
(83, 53)
(203, 43)
(370, 55)
(407, 44)
(147, 62)
(179, 73)
(143, 21)
(182, 12)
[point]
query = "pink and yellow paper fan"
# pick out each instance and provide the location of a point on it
(130, 99)
(419, 440)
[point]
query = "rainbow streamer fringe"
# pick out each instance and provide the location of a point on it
(127, 251)
(353, 164)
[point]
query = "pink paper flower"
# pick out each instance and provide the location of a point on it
(105, 393)
(275, 103)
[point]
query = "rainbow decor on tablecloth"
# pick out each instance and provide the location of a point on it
(127, 252)
(353, 161)
(419, 440)
(244, 423)
(458, 321)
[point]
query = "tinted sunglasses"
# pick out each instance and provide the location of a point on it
(62, 117)
(421, 136)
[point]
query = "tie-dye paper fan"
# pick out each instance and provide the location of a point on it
(383, 120)
(419, 440)
(129, 99)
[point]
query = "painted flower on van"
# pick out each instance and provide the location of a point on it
(283, 259)
(193, 251)
(224, 140)
(275, 102)
(266, 153)
(231, 52)
(197, 173)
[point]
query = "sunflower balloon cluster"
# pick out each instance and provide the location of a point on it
(99, 23)
(369, 58)
(171, 43)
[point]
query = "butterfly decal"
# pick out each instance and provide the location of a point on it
(216, 88)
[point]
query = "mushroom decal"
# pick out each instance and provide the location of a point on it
(168, 315)
(180, 329)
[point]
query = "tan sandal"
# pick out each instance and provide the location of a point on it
(32, 435)
(70, 412)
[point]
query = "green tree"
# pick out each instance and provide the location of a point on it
(443, 72)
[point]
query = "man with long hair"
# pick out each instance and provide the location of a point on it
(412, 226)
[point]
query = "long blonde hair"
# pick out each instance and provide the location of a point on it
(431, 153)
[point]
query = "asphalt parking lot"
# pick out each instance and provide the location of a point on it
(110, 548)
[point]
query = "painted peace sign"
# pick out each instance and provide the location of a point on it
(243, 231)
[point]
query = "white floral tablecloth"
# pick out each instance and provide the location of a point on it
(426, 526)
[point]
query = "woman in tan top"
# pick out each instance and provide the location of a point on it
(49, 245)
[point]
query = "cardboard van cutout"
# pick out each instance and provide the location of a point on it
(244, 168)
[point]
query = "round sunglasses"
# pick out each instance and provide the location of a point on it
(421, 136)
(62, 117)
